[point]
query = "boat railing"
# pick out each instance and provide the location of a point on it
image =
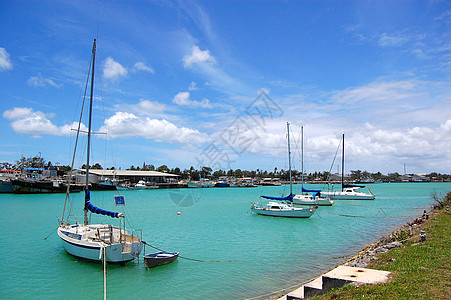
(134, 237)
(105, 234)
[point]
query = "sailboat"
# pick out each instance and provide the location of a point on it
(305, 198)
(98, 242)
(282, 206)
(349, 191)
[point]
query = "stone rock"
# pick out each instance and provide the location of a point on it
(381, 249)
(393, 245)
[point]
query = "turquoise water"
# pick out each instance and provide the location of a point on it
(266, 254)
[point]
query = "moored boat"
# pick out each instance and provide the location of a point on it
(314, 199)
(32, 186)
(97, 242)
(160, 258)
(348, 191)
(278, 209)
(283, 207)
(351, 192)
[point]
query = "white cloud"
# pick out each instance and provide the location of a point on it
(198, 56)
(192, 86)
(183, 99)
(113, 70)
(140, 66)
(377, 92)
(41, 81)
(148, 106)
(5, 62)
(26, 121)
(121, 124)
(420, 54)
(446, 126)
(386, 40)
(124, 124)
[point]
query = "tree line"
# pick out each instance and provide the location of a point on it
(206, 172)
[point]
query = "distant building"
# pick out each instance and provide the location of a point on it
(412, 178)
(337, 177)
(131, 176)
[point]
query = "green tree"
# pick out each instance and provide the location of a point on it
(163, 168)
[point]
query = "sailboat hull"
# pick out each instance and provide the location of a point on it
(277, 209)
(309, 200)
(83, 244)
(285, 214)
(349, 196)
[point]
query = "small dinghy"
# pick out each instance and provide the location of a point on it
(160, 258)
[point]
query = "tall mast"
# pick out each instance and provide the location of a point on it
(343, 163)
(289, 157)
(89, 127)
(302, 156)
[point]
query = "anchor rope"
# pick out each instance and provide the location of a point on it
(184, 257)
(357, 216)
(366, 206)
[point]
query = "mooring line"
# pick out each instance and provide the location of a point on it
(187, 258)
(356, 216)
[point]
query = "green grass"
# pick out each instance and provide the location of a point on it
(419, 270)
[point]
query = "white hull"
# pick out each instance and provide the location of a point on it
(283, 210)
(200, 185)
(350, 193)
(308, 200)
(87, 242)
(348, 196)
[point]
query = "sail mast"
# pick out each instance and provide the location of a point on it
(89, 129)
(289, 157)
(302, 156)
(343, 163)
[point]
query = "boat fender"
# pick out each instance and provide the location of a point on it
(311, 210)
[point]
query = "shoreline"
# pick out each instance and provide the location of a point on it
(370, 253)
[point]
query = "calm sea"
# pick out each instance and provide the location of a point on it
(257, 254)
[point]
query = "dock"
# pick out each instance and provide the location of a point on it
(336, 278)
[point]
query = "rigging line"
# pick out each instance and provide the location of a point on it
(187, 258)
(50, 233)
(76, 143)
(107, 141)
(333, 162)
(356, 216)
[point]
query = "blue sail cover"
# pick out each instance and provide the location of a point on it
(315, 192)
(97, 210)
(352, 185)
(287, 198)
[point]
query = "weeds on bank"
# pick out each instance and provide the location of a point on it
(418, 270)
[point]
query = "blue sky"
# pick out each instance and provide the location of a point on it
(213, 83)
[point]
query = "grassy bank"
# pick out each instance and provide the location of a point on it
(420, 270)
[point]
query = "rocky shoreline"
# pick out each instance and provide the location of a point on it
(395, 239)
(409, 231)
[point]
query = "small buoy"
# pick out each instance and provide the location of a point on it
(179, 213)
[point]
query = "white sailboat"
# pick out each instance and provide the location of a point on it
(305, 198)
(98, 242)
(349, 191)
(283, 207)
